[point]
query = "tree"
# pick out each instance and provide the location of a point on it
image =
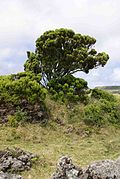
(70, 88)
(61, 52)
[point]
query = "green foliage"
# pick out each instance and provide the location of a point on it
(21, 86)
(61, 52)
(32, 64)
(19, 117)
(12, 121)
(100, 94)
(68, 87)
(102, 112)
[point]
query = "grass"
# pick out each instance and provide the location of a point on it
(64, 134)
(53, 141)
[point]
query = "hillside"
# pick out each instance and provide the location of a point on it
(63, 117)
(53, 141)
(64, 134)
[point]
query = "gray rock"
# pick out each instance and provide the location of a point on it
(9, 176)
(66, 169)
(5, 164)
(23, 158)
(15, 160)
(105, 169)
(17, 165)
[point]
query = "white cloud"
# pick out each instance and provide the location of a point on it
(22, 21)
(116, 75)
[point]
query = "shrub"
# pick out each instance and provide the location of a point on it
(102, 112)
(19, 117)
(21, 86)
(93, 115)
(68, 88)
(100, 94)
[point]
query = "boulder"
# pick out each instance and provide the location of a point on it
(104, 169)
(16, 160)
(66, 169)
(13, 161)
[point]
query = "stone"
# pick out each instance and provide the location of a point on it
(15, 160)
(9, 176)
(23, 158)
(66, 169)
(17, 165)
(104, 169)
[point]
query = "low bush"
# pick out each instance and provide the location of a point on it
(101, 94)
(21, 86)
(69, 88)
(102, 112)
(18, 118)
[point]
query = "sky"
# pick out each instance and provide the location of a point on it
(23, 21)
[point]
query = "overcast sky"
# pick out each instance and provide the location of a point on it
(23, 21)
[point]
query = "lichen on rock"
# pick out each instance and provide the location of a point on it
(13, 161)
(104, 169)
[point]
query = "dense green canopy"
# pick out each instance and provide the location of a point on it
(69, 87)
(22, 86)
(61, 52)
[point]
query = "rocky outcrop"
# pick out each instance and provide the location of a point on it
(66, 169)
(13, 161)
(9, 176)
(35, 113)
(105, 169)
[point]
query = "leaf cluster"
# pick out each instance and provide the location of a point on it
(19, 117)
(61, 52)
(21, 86)
(68, 87)
(102, 110)
(101, 94)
